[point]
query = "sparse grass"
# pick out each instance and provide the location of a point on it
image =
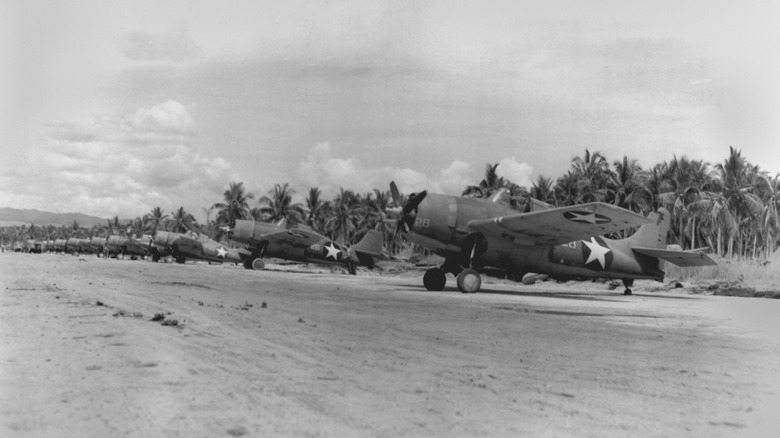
(761, 275)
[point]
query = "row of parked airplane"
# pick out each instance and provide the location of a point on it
(469, 233)
(254, 240)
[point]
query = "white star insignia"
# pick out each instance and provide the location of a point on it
(589, 218)
(597, 252)
(221, 252)
(332, 251)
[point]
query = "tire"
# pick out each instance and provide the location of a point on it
(351, 268)
(469, 281)
(258, 264)
(434, 279)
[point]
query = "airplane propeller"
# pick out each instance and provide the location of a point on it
(408, 209)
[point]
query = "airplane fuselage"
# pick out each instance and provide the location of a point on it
(442, 225)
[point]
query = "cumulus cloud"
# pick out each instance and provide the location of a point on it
(320, 168)
(517, 172)
(128, 165)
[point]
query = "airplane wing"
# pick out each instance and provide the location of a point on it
(559, 225)
(680, 258)
(293, 237)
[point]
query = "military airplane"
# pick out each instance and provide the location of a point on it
(302, 244)
(127, 246)
(563, 243)
(182, 246)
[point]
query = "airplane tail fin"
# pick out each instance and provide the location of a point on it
(369, 247)
(653, 235)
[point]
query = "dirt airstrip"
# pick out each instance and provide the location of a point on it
(133, 348)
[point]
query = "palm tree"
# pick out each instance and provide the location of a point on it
(316, 207)
(566, 189)
(628, 185)
(687, 181)
(736, 175)
(770, 197)
(542, 190)
(490, 184)
(345, 214)
(181, 221)
(279, 205)
(591, 173)
(235, 205)
(154, 220)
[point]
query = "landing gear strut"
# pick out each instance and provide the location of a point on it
(628, 282)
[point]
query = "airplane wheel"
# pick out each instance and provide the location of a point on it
(627, 292)
(258, 264)
(469, 281)
(434, 279)
(351, 268)
(180, 260)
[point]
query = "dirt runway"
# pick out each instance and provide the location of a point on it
(272, 353)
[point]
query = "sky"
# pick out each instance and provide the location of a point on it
(114, 107)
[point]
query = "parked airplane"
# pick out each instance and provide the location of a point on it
(182, 246)
(127, 246)
(564, 243)
(304, 245)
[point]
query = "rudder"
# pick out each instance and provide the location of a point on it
(653, 235)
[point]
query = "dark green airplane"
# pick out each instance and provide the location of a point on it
(303, 244)
(183, 246)
(563, 243)
(127, 246)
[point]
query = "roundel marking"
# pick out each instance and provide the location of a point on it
(586, 217)
(596, 254)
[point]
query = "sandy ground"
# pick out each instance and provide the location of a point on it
(273, 353)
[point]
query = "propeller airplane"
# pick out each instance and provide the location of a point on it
(302, 244)
(182, 246)
(563, 242)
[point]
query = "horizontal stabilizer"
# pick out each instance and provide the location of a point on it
(679, 258)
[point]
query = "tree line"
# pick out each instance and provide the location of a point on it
(730, 207)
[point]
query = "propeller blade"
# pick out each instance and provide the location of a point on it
(396, 194)
(414, 201)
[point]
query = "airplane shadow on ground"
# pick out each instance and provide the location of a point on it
(607, 296)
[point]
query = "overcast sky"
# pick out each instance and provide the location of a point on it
(112, 108)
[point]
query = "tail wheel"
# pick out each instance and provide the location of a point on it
(469, 281)
(434, 279)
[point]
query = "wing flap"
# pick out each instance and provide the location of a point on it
(680, 258)
(560, 225)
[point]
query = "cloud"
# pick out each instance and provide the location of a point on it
(175, 45)
(124, 165)
(329, 173)
(514, 171)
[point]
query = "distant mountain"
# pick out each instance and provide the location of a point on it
(10, 216)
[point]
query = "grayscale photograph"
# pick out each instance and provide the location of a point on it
(381, 218)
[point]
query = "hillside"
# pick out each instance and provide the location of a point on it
(10, 216)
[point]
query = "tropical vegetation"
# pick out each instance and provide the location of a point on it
(731, 207)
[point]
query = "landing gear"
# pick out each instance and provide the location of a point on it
(180, 260)
(434, 279)
(255, 263)
(628, 282)
(351, 268)
(469, 281)
(258, 264)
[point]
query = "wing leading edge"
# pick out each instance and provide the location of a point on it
(560, 225)
(680, 258)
